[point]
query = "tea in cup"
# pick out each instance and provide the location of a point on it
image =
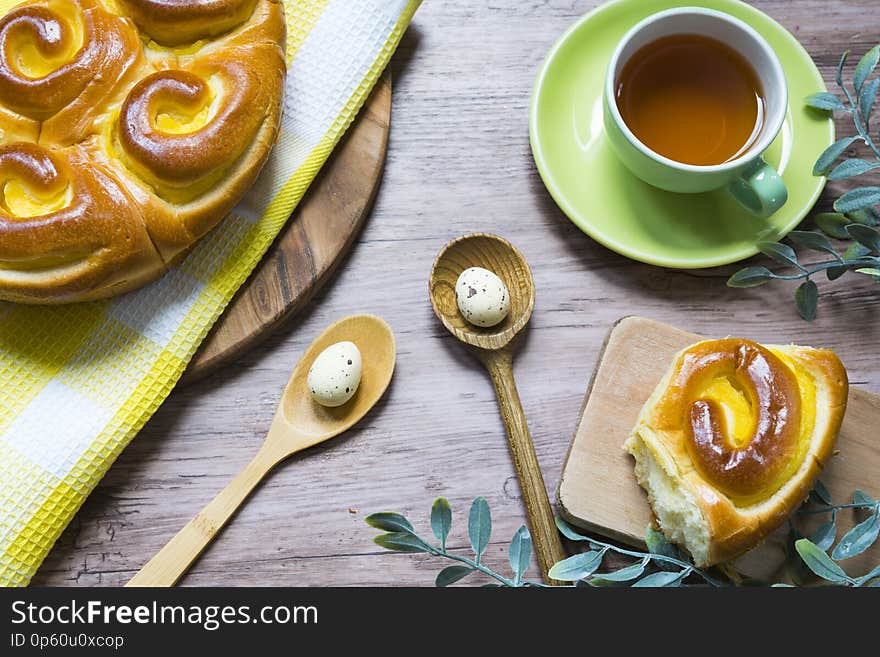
(693, 97)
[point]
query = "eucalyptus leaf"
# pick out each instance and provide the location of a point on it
(867, 98)
(865, 67)
(821, 494)
(479, 526)
(820, 563)
(858, 539)
(856, 251)
(867, 577)
(569, 532)
(833, 273)
(866, 236)
(840, 65)
(782, 585)
(861, 497)
(750, 277)
(441, 520)
(868, 217)
(824, 536)
(389, 522)
(851, 168)
(451, 574)
(796, 567)
(806, 299)
(658, 544)
(782, 253)
(832, 224)
(812, 240)
(401, 542)
(520, 552)
(858, 199)
(663, 578)
(824, 101)
(577, 567)
(830, 154)
(869, 271)
(624, 574)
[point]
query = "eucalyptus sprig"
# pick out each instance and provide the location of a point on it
(662, 565)
(855, 219)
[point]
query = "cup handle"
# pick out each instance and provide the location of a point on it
(759, 189)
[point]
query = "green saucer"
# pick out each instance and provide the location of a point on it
(629, 216)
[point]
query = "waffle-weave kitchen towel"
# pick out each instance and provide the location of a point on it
(77, 382)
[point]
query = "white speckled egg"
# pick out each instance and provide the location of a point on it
(335, 375)
(482, 297)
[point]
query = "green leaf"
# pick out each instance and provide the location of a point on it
(867, 577)
(782, 585)
(869, 271)
(812, 240)
(858, 539)
(568, 531)
(858, 199)
(832, 224)
(806, 299)
(868, 217)
(865, 67)
(451, 574)
(479, 526)
(441, 520)
(401, 542)
(850, 168)
(861, 497)
(856, 251)
(833, 273)
(824, 101)
(867, 98)
(866, 236)
(577, 567)
(840, 65)
(824, 536)
(830, 154)
(520, 553)
(663, 578)
(782, 253)
(658, 544)
(750, 277)
(820, 563)
(820, 493)
(624, 574)
(389, 522)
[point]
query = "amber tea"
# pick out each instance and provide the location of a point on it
(692, 99)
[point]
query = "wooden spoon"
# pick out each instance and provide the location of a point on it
(299, 422)
(492, 347)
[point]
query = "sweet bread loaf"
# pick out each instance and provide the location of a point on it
(128, 129)
(732, 440)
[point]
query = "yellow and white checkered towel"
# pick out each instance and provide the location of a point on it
(78, 382)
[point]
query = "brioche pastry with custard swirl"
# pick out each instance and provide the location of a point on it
(732, 440)
(169, 108)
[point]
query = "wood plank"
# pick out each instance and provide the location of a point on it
(598, 489)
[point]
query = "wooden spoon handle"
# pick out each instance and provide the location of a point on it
(173, 560)
(544, 533)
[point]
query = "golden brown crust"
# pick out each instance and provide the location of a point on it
(741, 513)
(180, 133)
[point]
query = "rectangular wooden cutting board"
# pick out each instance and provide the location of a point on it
(598, 490)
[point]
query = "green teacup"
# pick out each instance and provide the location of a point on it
(754, 183)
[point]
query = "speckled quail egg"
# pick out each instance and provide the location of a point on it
(335, 375)
(482, 297)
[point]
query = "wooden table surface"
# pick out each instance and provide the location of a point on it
(458, 161)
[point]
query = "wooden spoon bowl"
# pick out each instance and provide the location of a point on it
(499, 256)
(492, 347)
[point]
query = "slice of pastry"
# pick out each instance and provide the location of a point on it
(732, 440)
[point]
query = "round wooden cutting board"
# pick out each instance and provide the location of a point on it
(314, 241)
